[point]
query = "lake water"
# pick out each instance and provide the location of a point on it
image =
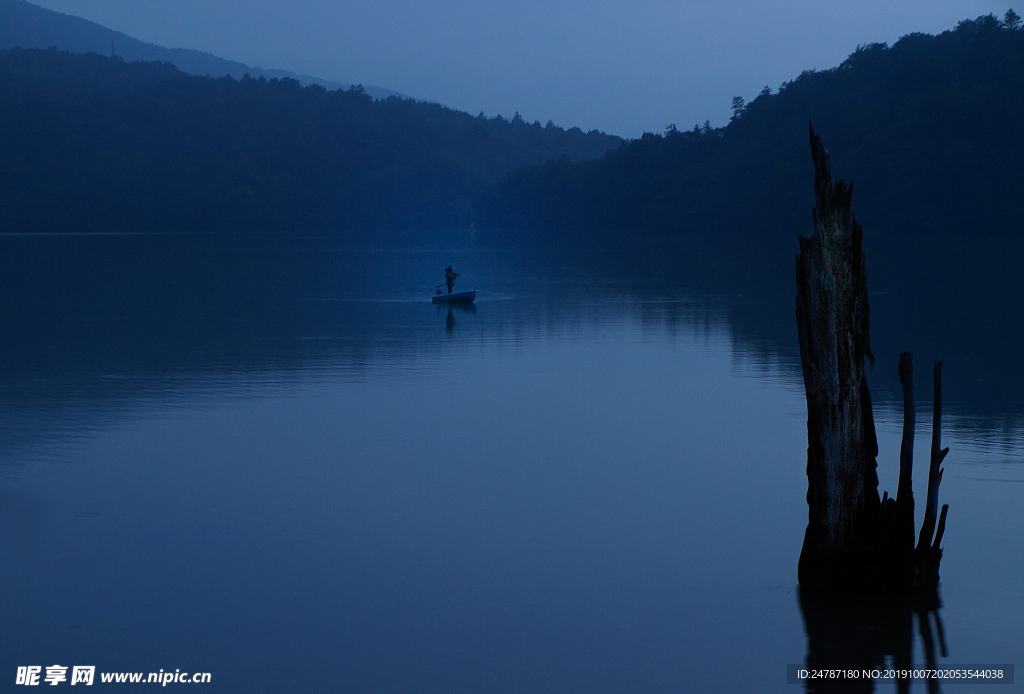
(282, 465)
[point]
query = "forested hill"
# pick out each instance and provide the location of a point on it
(929, 130)
(92, 143)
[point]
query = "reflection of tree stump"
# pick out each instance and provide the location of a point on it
(853, 538)
(869, 633)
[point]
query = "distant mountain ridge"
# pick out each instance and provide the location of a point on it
(94, 143)
(24, 25)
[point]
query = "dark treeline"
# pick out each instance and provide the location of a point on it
(928, 129)
(91, 143)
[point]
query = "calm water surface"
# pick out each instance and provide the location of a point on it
(286, 468)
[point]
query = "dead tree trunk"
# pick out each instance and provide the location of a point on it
(854, 539)
(928, 553)
(832, 320)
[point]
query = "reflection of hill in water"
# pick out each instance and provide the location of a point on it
(105, 324)
(956, 301)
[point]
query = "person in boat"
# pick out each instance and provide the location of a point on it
(449, 277)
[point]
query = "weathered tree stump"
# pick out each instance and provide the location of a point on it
(853, 538)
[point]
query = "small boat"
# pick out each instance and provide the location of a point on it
(456, 298)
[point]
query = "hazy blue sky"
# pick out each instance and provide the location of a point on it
(622, 67)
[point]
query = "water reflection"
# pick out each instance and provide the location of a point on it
(449, 321)
(106, 327)
(158, 307)
(601, 526)
(870, 633)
